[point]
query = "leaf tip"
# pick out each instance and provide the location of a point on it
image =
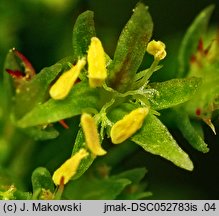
(188, 165)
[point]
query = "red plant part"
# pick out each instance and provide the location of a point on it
(63, 123)
(200, 45)
(62, 181)
(206, 51)
(29, 70)
(60, 189)
(77, 81)
(198, 112)
(193, 59)
(15, 73)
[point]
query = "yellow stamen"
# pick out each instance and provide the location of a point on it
(68, 169)
(128, 125)
(63, 85)
(96, 63)
(91, 134)
(157, 49)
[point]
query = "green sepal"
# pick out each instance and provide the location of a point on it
(191, 38)
(83, 31)
(81, 98)
(154, 137)
(130, 49)
(173, 92)
(32, 92)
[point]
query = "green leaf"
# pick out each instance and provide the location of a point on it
(173, 92)
(81, 98)
(83, 31)
(32, 92)
(66, 61)
(112, 187)
(39, 133)
(181, 118)
(93, 187)
(154, 137)
(119, 153)
(198, 127)
(130, 49)
(134, 175)
(191, 38)
(8, 83)
(135, 190)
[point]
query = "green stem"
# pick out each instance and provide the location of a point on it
(150, 72)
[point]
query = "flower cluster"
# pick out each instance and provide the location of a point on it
(114, 99)
(97, 74)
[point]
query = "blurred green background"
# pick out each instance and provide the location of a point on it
(42, 31)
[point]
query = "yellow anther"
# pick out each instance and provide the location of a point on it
(128, 125)
(63, 85)
(96, 63)
(157, 49)
(68, 169)
(91, 134)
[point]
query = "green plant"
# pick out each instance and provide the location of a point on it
(198, 58)
(117, 104)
